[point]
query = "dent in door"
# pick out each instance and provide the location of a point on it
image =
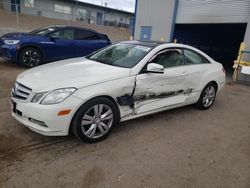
(151, 101)
(145, 98)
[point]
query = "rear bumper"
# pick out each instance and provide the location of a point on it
(221, 85)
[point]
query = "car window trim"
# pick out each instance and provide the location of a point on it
(158, 53)
(94, 34)
(163, 51)
(200, 55)
(48, 34)
(63, 29)
(142, 71)
(43, 28)
(181, 48)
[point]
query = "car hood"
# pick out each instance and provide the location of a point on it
(15, 34)
(76, 72)
(25, 37)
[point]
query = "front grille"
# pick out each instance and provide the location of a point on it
(20, 91)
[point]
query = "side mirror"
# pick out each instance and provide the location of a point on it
(155, 68)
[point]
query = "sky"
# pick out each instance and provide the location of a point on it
(127, 5)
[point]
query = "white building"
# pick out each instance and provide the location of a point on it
(214, 26)
(72, 10)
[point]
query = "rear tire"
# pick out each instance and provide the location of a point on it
(95, 120)
(207, 97)
(30, 57)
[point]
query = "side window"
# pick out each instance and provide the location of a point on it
(192, 58)
(64, 34)
(170, 58)
(85, 35)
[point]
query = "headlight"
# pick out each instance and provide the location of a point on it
(11, 42)
(57, 95)
(37, 97)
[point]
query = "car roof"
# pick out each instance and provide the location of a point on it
(154, 44)
(151, 44)
(161, 45)
(72, 27)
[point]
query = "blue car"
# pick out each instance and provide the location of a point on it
(50, 44)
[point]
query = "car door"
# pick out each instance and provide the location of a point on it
(155, 91)
(87, 42)
(63, 45)
(197, 66)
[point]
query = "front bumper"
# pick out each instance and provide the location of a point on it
(9, 52)
(43, 119)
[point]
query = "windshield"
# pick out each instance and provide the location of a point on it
(121, 55)
(43, 31)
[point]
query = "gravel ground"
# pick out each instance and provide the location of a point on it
(181, 148)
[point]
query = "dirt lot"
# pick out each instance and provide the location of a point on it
(180, 148)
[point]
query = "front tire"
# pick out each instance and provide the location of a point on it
(207, 97)
(30, 57)
(95, 120)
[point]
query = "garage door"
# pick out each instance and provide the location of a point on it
(220, 41)
(212, 11)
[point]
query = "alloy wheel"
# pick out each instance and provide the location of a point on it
(209, 96)
(97, 121)
(31, 58)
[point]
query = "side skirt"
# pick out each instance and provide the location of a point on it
(129, 117)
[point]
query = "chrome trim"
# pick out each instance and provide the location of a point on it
(20, 91)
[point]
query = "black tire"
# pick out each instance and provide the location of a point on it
(30, 57)
(201, 104)
(88, 108)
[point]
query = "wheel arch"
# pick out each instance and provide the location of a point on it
(31, 46)
(214, 83)
(210, 82)
(100, 96)
(113, 101)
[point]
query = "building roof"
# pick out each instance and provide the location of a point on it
(77, 2)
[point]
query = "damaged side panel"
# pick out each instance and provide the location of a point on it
(152, 101)
(155, 91)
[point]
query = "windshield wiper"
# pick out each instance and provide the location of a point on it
(104, 62)
(100, 61)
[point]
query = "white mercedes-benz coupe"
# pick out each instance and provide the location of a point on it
(90, 95)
